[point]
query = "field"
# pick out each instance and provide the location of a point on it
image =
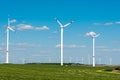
(56, 72)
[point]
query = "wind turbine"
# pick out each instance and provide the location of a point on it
(62, 27)
(110, 61)
(82, 60)
(88, 59)
(93, 35)
(7, 31)
(70, 59)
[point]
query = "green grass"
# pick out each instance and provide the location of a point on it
(55, 72)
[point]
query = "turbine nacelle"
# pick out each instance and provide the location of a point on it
(92, 34)
(10, 28)
(9, 22)
(62, 26)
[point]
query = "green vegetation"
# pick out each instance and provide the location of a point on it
(56, 72)
(117, 68)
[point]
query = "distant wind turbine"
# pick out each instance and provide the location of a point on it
(70, 59)
(110, 61)
(62, 27)
(82, 60)
(93, 35)
(88, 59)
(7, 31)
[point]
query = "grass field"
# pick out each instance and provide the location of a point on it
(56, 72)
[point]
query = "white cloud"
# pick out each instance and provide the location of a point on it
(13, 21)
(101, 47)
(109, 50)
(118, 22)
(19, 44)
(75, 46)
(24, 44)
(55, 32)
(40, 55)
(116, 50)
(30, 27)
(20, 49)
(15, 44)
(42, 28)
(25, 27)
(116, 41)
(108, 23)
(1, 49)
(105, 50)
(57, 46)
(2, 44)
(97, 24)
(104, 24)
(71, 46)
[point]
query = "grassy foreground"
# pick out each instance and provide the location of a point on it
(55, 72)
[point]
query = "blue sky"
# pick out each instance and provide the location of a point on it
(37, 35)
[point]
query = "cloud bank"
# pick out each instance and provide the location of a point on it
(106, 23)
(71, 46)
(24, 27)
(30, 27)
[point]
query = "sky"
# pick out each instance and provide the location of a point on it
(37, 34)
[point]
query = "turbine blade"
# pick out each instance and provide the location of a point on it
(68, 24)
(97, 35)
(11, 29)
(58, 22)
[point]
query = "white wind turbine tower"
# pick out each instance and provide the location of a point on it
(70, 59)
(93, 35)
(110, 61)
(82, 60)
(88, 59)
(7, 31)
(62, 27)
